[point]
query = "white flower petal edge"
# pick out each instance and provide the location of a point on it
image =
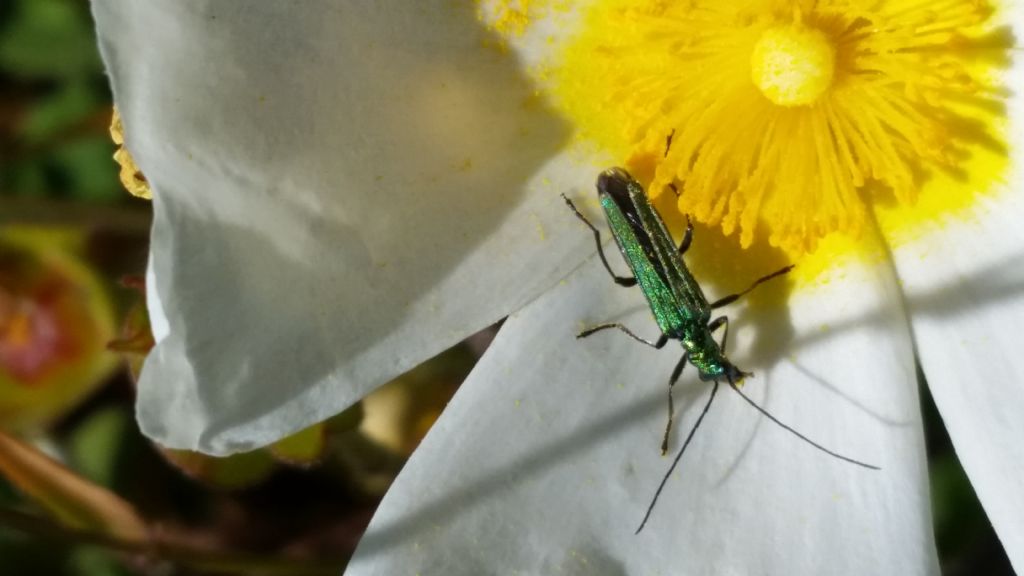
(964, 286)
(343, 189)
(547, 457)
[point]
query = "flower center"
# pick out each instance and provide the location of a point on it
(792, 65)
(784, 128)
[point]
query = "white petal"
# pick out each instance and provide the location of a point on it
(964, 286)
(343, 189)
(548, 456)
(965, 291)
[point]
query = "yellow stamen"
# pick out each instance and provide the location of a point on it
(785, 124)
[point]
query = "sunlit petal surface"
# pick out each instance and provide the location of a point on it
(341, 190)
(548, 456)
(964, 282)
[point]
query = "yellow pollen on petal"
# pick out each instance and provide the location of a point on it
(792, 65)
(511, 18)
(785, 121)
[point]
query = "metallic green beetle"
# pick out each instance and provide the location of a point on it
(675, 297)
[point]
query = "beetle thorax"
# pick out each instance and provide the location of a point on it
(706, 356)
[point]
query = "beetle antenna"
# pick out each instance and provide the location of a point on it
(679, 455)
(797, 434)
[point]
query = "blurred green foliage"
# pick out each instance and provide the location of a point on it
(55, 103)
(49, 39)
(92, 444)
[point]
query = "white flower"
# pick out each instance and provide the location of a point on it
(343, 189)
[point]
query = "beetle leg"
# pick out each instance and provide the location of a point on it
(734, 297)
(679, 456)
(662, 340)
(626, 281)
(676, 373)
(687, 237)
(718, 323)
